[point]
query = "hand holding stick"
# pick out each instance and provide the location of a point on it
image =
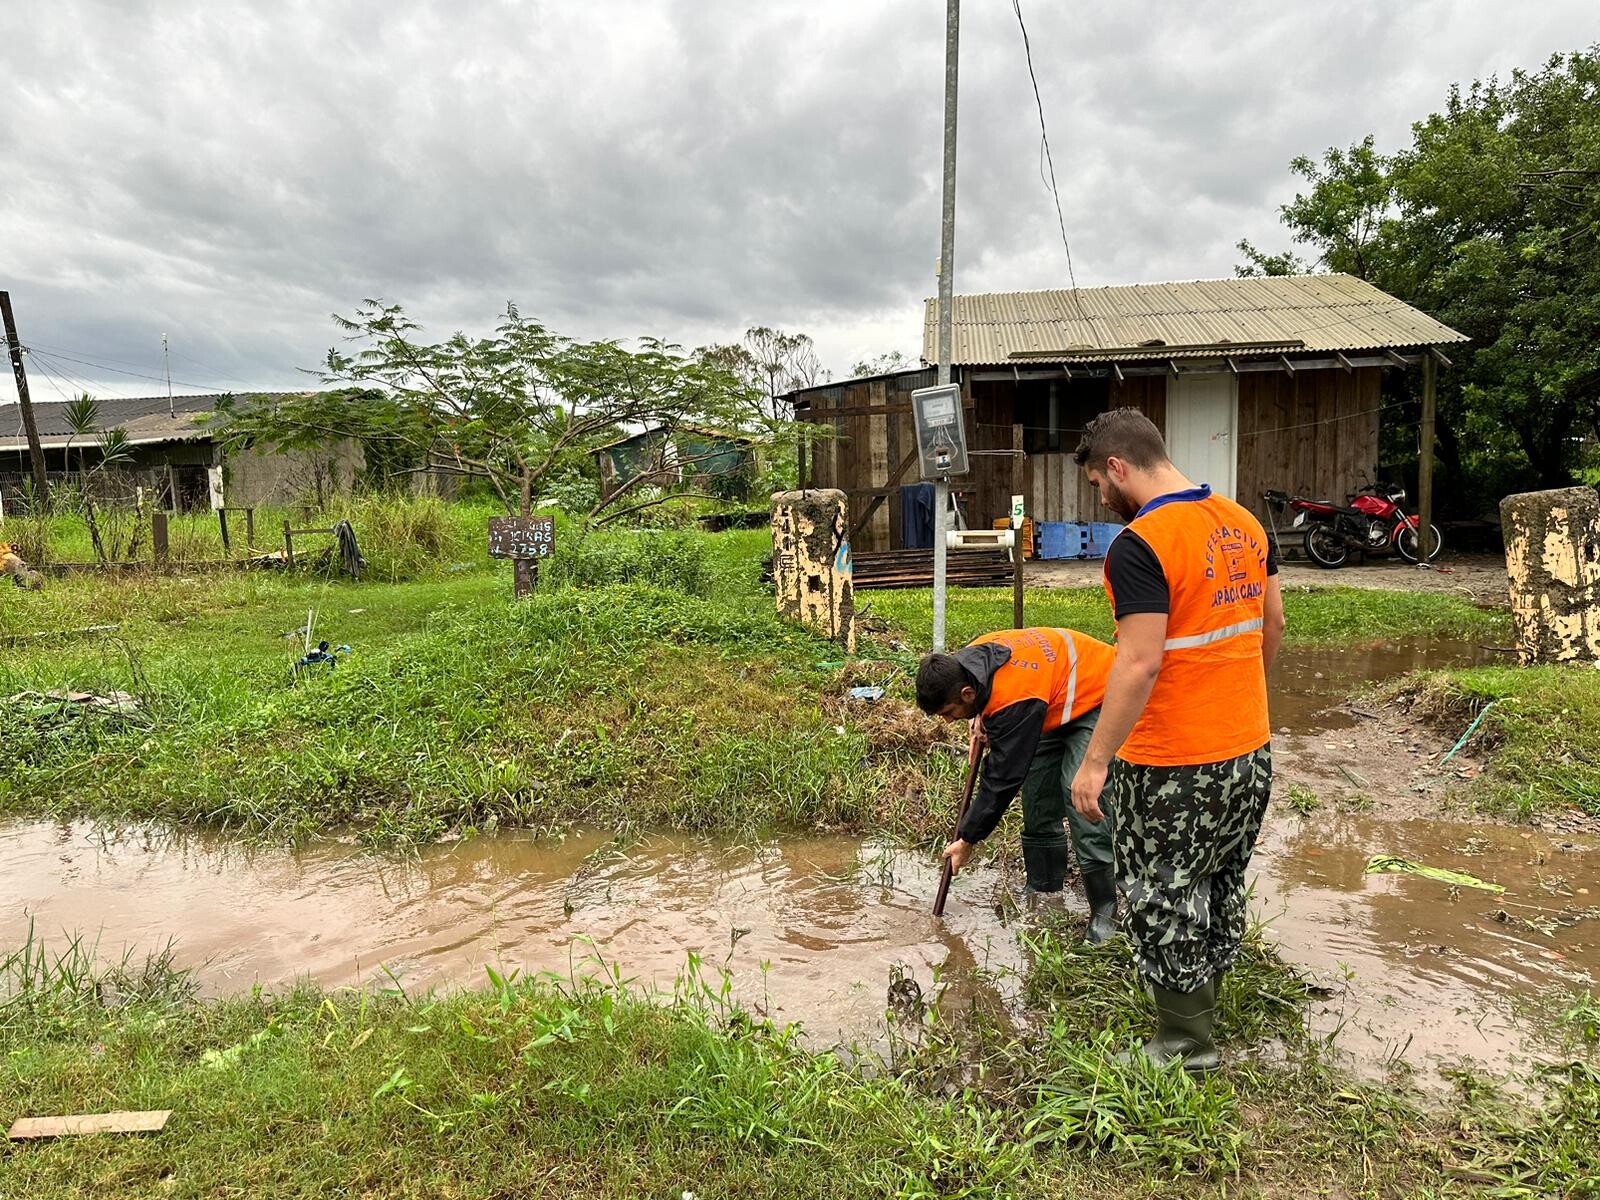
(974, 754)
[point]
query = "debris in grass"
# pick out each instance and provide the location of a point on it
(321, 656)
(20, 573)
(58, 706)
(1390, 862)
(29, 1128)
(870, 694)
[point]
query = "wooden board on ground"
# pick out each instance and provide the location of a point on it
(27, 1128)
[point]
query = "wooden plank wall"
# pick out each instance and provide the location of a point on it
(860, 448)
(1057, 489)
(1310, 433)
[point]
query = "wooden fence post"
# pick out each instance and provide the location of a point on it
(158, 535)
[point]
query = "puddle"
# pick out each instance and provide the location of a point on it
(830, 917)
(1436, 976)
(1308, 684)
(813, 930)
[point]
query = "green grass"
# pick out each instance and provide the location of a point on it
(690, 706)
(647, 683)
(1315, 616)
(1542, 736)
(549, 1087)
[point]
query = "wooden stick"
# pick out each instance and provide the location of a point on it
(974, 755)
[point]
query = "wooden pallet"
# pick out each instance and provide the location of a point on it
(914, 569)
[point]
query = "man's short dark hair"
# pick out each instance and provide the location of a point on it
(940, 679)
(1124, 433)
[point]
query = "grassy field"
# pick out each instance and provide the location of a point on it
(544, 1088)
(1540, 726)
(1316, 616)
(648, 683)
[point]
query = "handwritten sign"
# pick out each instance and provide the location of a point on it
(522, 537)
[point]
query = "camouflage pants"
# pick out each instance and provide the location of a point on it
(1047, 812)
(1184, 836)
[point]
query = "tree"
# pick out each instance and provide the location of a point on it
(521, 408)
(773, 364)
(1258, 262)
(882, 364)
(1490, 221)
(82, 417)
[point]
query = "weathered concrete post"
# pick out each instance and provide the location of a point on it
(1553, 560)
(811, 562)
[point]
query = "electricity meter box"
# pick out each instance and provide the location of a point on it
(941, 433)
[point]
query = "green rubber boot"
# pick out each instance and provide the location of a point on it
(1183, 1028)
(1100, 889)
(1044, 864)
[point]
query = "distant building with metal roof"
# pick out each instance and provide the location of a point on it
(1268, 315)
(176, 455)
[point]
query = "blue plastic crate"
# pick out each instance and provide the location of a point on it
(1063, 539)
(1058, 539)
(1101, 534)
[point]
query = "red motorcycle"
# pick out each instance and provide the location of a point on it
(1374, 522)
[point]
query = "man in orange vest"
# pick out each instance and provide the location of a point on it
(1036, 694)
(1183, 733)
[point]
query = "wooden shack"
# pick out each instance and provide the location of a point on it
(1256, 383)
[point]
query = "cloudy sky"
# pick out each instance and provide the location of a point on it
(231, 173)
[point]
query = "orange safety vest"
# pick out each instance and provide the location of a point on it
(1064, 668)
(1209, 702)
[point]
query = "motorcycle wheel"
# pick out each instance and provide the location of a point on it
(1406, 540)
(1326, 548)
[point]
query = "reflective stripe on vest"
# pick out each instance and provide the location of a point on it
(1215, 635)
(1072, 675)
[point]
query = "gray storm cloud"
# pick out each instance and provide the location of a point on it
(231, 173)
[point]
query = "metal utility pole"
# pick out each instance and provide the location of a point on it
(947, 266)
(41, 482)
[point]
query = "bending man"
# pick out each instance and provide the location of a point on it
(1183, 732)
(1037, 693)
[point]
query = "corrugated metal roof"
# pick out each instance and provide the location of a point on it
(145, 420)
(1196, 319)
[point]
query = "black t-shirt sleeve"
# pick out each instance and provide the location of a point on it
(1272, 557)
(1137, 580)
(1014, 734)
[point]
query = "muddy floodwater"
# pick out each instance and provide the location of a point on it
(812, 928)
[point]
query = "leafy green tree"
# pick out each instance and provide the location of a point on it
(1490, 221)
(522, 408)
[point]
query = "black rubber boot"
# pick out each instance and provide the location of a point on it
(1100, 887)
(1183, 1028)
(1046, 865)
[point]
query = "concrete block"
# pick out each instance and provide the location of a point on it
(1553, 562)
(811, 565)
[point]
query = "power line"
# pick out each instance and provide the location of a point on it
(135, 374)
(1049, 161)
(48, 361)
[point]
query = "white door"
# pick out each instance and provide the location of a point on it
(1202, 415)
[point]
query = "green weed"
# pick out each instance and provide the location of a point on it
(1302, 799)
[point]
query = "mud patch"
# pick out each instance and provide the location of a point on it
(1425, 975)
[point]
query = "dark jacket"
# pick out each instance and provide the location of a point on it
(1014, 732)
